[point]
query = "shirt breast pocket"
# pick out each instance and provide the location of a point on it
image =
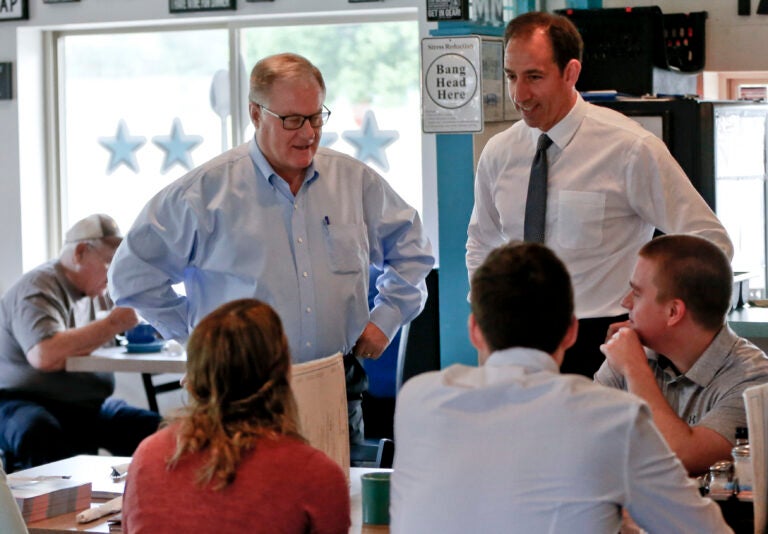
(347, 247)
(580, 219)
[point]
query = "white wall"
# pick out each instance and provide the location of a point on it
(733, 43)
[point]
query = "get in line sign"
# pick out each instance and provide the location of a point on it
(451, 96)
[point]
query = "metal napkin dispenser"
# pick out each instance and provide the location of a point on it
(740, 294)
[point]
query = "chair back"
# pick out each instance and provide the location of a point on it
(419, 349)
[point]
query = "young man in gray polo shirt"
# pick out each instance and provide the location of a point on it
(678, 354)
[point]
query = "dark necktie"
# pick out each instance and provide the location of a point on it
(536, 202)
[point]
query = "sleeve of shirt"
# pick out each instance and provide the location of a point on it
(662, 194)
(152, 257)
(37, 316)
(606, 376)
(484, 230)
(401, 249)
(727, 414)
(660, 497)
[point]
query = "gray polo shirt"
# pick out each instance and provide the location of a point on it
(710, 393)
(42, 303)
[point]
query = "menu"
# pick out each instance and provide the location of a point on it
(756, 401)
(321, 396)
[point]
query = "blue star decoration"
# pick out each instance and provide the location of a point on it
(370, 142)
(177, 146)
(123, 147)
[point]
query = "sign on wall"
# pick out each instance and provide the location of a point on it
(182, 6)
(447, 10)
(14, 10)
(451, 96)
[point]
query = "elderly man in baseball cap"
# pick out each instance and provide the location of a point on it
(57, 310)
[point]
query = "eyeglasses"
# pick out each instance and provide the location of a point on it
(294, 122)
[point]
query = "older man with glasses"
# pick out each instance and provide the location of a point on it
(284, 221)
(56, 310)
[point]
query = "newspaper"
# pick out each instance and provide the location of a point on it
(321, 396)
(756, 401)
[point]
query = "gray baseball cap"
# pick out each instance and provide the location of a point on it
(96, 226)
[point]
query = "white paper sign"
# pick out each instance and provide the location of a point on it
(451, 96)
(321, 397)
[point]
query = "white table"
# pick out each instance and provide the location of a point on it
(119, 360)
(93, 469)
(96, 469)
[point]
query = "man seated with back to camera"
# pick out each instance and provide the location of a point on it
(677, 353)
(515, 446)
(46, 413)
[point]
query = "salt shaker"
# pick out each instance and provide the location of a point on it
(742, 460)
(720, 478)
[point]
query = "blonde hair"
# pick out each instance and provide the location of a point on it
(238, 366)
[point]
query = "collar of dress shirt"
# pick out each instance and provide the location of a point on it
(530, 359)
(501, 367)
(562, 132)
(266, 171)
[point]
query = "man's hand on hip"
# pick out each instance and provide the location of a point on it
(371, 343)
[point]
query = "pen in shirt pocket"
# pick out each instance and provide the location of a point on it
(326, 221)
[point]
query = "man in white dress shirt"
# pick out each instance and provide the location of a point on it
(514, 446)
(610, 183)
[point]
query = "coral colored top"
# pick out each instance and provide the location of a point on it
(283, 486)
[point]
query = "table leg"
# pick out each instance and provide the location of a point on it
(149, 388)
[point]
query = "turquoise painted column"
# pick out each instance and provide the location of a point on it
(455, 197)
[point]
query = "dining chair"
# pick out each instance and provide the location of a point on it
(373, 454)
(419, 349)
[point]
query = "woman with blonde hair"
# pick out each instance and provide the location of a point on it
(234, 460)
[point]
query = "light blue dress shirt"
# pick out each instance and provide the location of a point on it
(232, 229)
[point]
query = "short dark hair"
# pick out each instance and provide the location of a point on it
(563, 35)
(521, 296)
(694, 270)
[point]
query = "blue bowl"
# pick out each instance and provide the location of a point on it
(141, 333)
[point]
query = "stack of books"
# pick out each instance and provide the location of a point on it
(43, 497)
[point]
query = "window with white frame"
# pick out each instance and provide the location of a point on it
(138, 109)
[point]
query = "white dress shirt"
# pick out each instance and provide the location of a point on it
(611, 182)
(514, 446)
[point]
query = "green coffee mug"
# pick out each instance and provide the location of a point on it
(375, 498)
